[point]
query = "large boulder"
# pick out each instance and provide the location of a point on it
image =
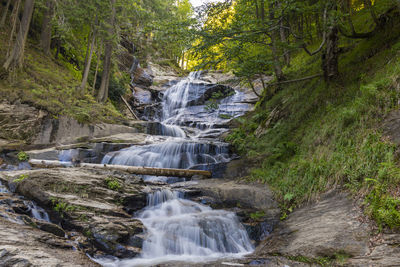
(142, 77)
(327, 228)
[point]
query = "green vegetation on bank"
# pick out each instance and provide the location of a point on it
(77, 58)
(314, 136)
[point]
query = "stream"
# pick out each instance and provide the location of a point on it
(192, 116)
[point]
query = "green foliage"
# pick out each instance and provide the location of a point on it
(329, 135)
(21, 178)
(224, 116)
(258, 215)
(22, 156)
(380, 204)
(62, 207)
(113, 183)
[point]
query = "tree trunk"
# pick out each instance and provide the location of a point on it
(130, 169)
(45, 36)
(4, 16)
(284, 40)
(88, 61)
(105, 77)
(14, 20)
(16, 58)
(275, 52)
(330, 57)
(98, 56)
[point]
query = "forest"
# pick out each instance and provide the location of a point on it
(281, 104)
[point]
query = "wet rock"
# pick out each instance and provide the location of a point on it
(235, 193)
(51, 228)
(135, 202)
(86, 204)
(22, 245)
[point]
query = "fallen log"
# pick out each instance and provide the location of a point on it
(130, 169)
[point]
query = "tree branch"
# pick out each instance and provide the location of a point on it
(323, 37)
(296, 80)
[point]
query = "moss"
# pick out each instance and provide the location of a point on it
(113, 184)
(21, 178)
(52, 86)
(22, 156)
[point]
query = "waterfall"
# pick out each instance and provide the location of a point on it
(37, 212)
(186, 231)
(179, 229)
(176, 98)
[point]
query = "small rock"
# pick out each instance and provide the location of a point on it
(51, 228)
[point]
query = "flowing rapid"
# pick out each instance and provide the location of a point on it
(179, 229)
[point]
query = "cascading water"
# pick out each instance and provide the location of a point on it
(179, 229)
(186, 231)
(183, 104)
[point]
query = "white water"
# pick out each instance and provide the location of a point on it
(177, 96)
(184, 151)
(37, 212)
(186, 231)
(179, 229)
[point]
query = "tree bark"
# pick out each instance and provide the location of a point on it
(275, 51)
(98, 56)
(45, 36)
(14, 20)
(130, 169)
(284, 40)
(88, 61)
(16, 58)
(330, 57)
(4, 16)
(105, 77)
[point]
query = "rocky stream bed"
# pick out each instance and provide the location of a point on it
(87, 217)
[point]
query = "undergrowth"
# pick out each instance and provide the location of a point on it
(52, 85)
(312, 136)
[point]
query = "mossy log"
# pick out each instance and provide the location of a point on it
(130, 169)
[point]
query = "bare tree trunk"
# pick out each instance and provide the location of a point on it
(282, 31)
(105, 77)
(97, 68)
(14, 20)
(130, 169)
(253, 88)
(275, 52)
(17, 54)
(88, 62)
(4, 16)
(45, 36)
(330, 57)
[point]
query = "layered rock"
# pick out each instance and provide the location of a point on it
(96, 205)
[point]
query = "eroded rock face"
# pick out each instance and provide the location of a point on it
(320, 230)
(19, 121)
(234, 193)
(22, 245)
(66, 130)
(97, 204)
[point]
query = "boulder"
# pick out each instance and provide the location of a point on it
(323, 229)
(142, 77)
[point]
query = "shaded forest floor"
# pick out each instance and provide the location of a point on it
(51, 85)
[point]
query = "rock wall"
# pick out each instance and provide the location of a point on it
(66, 130)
